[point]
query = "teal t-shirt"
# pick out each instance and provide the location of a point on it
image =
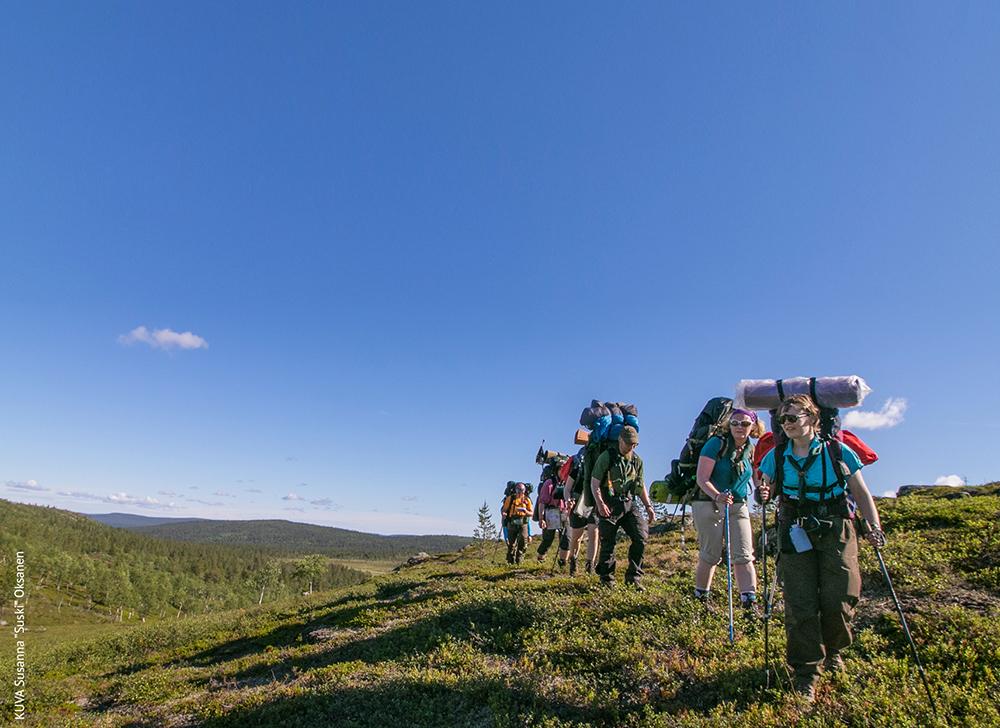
(724, 475)
(814, 476)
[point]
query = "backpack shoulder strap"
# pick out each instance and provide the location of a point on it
(779, 466)
(835, 448)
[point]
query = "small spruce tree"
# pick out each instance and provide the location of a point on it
(486, 531)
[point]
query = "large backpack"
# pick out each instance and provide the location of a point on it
(831, 435)
(605, 421)
(681, 484)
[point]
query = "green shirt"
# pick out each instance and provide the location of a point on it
(625, 472)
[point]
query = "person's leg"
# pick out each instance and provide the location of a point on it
(522, 543)
(511, 533)
(703, 576)
(709, 522)
(839, 587)
(800, 576)
(547, 535)
(593, 541)
(563, 545)
(742, 554)
(637, 529)
(607, 530)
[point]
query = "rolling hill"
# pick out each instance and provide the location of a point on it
(79, 569)
(465, 640)
(288, 537)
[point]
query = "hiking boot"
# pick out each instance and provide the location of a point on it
(562, 563)
(589, 567)
(637, 586)
(750, 609)
(805, 689)
(541, 558)
(572, 566)
(833, 662)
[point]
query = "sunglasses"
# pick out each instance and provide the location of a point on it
(789, 419)
(740, 423)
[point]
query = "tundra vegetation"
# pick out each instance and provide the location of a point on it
(466, 640)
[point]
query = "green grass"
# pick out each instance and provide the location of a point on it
(463, 641)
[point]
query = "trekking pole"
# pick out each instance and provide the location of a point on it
(767, 602)
(729, 575)
(906, 629)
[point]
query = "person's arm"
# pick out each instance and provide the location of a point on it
(601, 468)
(602, 508)
(644, 495)
(705, 467)
(866, 504)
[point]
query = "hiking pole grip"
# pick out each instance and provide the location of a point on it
(906, 629)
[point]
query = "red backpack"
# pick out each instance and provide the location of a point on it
(865, 454)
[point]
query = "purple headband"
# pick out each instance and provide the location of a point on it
(749, 413)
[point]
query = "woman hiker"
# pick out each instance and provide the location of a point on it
(817, 538)
(723, 475)
(553, 516)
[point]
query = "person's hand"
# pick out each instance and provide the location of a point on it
(764, 492)
(650, 513)
(724, 498)
(876, 537)
(542, 524)
(602, 509)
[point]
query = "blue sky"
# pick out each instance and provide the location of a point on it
(411, 241)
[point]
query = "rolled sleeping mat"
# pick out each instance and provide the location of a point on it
(834, 392)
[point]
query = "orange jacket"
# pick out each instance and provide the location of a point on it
(517, 506)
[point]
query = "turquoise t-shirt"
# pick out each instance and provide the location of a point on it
(724, 476)
(814, 476)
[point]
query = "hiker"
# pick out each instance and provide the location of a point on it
(616, 481)
(818, 561)
(517, 512)
(723, 477)
(553, 512)
(580, 524)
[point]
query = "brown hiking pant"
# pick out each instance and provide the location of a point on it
(821, 589)
(517, 538)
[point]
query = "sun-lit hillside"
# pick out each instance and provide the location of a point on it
(466, 640)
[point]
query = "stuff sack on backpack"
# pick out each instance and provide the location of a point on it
(681, 482)
(631, 414)
(832, 392)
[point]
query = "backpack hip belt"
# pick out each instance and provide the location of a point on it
(794, 511)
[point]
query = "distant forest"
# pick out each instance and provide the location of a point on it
(286, 537)
(73, 559)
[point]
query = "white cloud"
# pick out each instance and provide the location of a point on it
(203, 502)
(955, 480)
(25, 485)
(254, 490)
(889, 494)
(119, 499)
(168, 493)
(292, 497)
(224, 494)
(890, 415)
(163, 339)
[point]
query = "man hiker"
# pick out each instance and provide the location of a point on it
(616, 483)
(517, 511)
